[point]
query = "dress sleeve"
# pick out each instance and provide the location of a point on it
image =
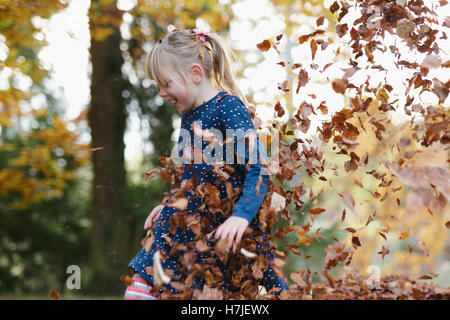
(234, 115)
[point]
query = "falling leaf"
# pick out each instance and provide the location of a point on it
(341, 29)
(330, 279)
(320, 21)
(355, 241)
(264, 46)
(339, 85)
(304, 38)
(404, 235)
(405, 27)
(313, 48)
(348, 199)
(201, 246)
(316, 210)
(350, 230)
(302, 79)
(410, 248)
(384, 251)
(422, 246)
(440, 89)
(159, 276)
(431, 61)
(248, 254)
(334, 7)
(97, 149)
(127, 280)
(447, 224)
(180, 204)
(278, 202)
(54, 294)
(343, 215)
(383, 235)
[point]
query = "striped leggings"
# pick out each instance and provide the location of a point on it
(139, 289)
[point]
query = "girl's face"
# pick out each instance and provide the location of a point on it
(178, 92)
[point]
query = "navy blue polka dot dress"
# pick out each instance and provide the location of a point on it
(221, 113)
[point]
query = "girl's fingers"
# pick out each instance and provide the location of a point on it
(240, 232)
(153, 217)
(147, 223)
(218, 232)
(232, 235)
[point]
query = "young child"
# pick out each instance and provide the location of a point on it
(193, 71)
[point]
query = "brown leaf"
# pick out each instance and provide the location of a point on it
(410, 248)
(320, 21)
(355, 241)
(339, 85)
(384, 251)
(208, 294)
(302, 79)
(147, 242)
(264, 46)
(201, 246)
(440, 89)
(341, 29)
(334, 7)
(431, 61)
(279, 110)
(54, 294)
(304, 38)
(343, 215)
(316, 210)
(330, 279)
(127, 280)
(405, 27)
(348, 199)
(404, 235)
(313, 45)
(422, 246)
(350, 230)
(180, 204)
(323, 108)
(447, 224)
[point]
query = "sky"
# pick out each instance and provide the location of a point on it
(254, 20)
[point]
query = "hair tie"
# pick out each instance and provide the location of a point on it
(200, 35)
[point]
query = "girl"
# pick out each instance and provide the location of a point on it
(193, 71)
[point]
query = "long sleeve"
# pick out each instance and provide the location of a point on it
(235, 118)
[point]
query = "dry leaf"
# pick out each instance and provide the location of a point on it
(264, 46)
(54, 294)
(159, 276)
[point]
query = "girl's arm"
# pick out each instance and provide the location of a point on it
(234, 115)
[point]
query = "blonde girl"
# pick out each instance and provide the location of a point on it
(193, 70)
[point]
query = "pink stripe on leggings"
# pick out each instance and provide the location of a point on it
(141, 291)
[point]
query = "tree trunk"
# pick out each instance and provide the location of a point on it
(111, 233)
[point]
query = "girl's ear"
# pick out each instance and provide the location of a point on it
(196, 73)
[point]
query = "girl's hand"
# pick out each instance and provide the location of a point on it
(153, 217)
(233, 228)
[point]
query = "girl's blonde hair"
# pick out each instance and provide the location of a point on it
(180, 48)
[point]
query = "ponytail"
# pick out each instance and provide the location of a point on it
(222, 58)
